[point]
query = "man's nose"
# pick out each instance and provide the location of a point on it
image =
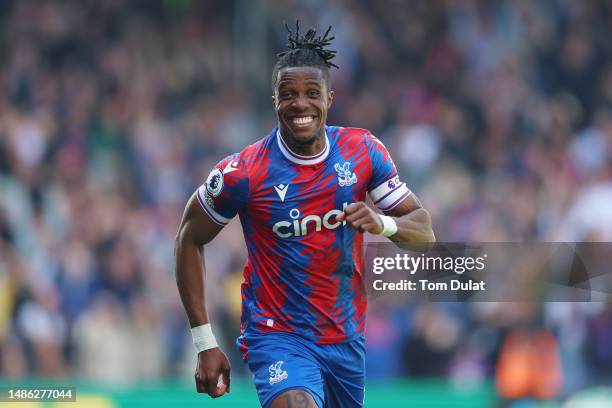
(300, 102)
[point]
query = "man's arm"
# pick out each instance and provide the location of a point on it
(196, 230)
(413, 224)
(414, 228)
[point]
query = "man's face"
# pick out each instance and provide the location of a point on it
(301, 100)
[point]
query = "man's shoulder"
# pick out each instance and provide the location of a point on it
(352, 136)
(243, 161)
(348, 131)
(254, 151)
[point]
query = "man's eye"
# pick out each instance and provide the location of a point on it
(285, 95)
(313, 93)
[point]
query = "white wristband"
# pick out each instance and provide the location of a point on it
(389, 225)
(203, 338)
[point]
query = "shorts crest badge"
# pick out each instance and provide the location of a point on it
(277, 374)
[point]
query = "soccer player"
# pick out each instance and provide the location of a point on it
(300, 195)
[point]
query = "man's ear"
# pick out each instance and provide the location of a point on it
(274, 101)
(330, 99)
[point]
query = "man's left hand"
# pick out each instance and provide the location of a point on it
(361, 218)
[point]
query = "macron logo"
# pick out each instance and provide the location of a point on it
(231, 166)
(281, 190)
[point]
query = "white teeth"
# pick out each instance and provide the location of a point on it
(304, 120)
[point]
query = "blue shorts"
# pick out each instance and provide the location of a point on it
(334, 374)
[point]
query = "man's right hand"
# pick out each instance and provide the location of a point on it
(212, 363)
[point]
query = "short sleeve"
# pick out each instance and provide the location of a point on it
(385, 188)
(225, 191)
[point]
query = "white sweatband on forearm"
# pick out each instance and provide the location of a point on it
(389, 225)
(203, 337)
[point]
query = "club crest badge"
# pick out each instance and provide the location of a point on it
(277, 374)
(214, 182)
(346, 177)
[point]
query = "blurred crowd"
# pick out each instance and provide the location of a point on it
(498, 115)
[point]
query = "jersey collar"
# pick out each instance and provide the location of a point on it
(298, 158)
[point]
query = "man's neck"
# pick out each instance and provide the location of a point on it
(310, 149)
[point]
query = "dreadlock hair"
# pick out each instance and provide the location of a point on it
(306, 50)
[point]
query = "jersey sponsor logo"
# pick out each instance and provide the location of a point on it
(346, 177)
(231, 166)
(281, 190)
(277, 374)
(299, 227)
(214, 182)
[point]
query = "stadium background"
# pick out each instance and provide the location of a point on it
(498, 114)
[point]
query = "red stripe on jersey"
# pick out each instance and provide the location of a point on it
(270, 294)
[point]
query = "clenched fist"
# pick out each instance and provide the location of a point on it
(212, 363)
(361, 218)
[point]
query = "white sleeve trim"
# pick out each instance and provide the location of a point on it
(390, 193)
(212, 214)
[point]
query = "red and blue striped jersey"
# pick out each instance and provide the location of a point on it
(304, 272)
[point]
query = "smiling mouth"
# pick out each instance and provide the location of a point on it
(302, 120)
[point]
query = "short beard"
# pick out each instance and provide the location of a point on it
(312, 140)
